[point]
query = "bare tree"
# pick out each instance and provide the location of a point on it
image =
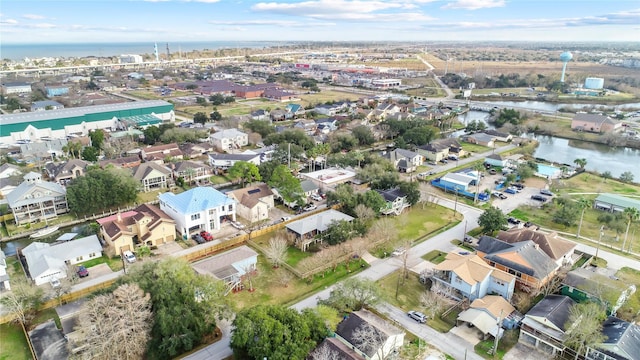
(584, 326)
(383, 230)
(324, 352)
(276, 252)
(555, 283)
(22, 301)
(116, 325)
(370, 340)
(433, 303)
(284, 277)
(364, 213)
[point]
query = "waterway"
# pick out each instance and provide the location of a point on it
(11, 247)
(550, 107)
(599, 157)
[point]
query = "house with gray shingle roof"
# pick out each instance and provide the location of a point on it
(389, 338)
(191, 171)
(229, 139)
(152, 176)
(201, 208)
(229, 266)
(558, 249)
(64, 172)
(36, 200)
(404, 160)
(307, 228)
(543, 327)
(8, 170)
(622, 341)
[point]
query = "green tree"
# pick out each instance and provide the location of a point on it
(201, 101)
(266, 169)
(90, 153)
(606, 175)
(261, 127)
(511, 116)
(73, 148)
(12, 104)
(363, 134)
(245, 171)
(583, 204)
(492, 220)
(288, 185)
(186, 305)
(419, 136)
(626, 176)
(565, 215)
(101, 189)
(338, 232)
(411, 191)
(215, 116)
(632, 214)
(200, 118)
(525, 171)
(354, 294)
(276, 332)
(584, 326)
(151, 135)
(581, 163)
(97, 138)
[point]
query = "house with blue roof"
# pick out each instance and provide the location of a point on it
(294, 110)
(201, 208)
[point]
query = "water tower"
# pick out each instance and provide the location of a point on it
(565, 57)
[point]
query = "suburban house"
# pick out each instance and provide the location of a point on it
(484, 313)
(327, 125)
(389, 339)
(7, 185)
(144, 225)
(327, 179)
(159, 153)
(496, 160)
(194, 150)
(462, 276)
(307, 228)
(126, 162)
(46, 262)
(594, 123)
(278, 115)
(309, 188)
(543, 327)
(152, 176)
(341, 350)
(330, 109)
(532, 267)
(498, 135)
(36, 200)
(190, 171)
(229, 266)
(229, 139)
(396, 201)
(481, 138)
(557, 248)
(46, 105)
(615, 203)
(254, 202)
(404, 160)
(622, 341)
(307, 125)
(583, 284)
(4, 276)
(441, 149)
(8, 170)
(260, 114)
(225, 161)
(197, 209)
(384, 110)
(17, 87)
(295, 110)
(63, 173)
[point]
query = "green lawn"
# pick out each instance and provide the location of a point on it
(408, 291)
(630, 310)
(115, 264)
(485, 348)
(13, 345)
(435, 256)
(475, 148)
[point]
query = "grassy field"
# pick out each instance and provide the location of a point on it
(408, 291)
(475, 148)
(114, 264)
(631, 309)
(485, 348)
(434, 256)
(13, 345)
(324, 96)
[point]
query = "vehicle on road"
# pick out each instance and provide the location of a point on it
(513, 221)
(538, 198)
(546, 192)
(398, 251)
(417, 316)
(82, 271)
(310, 207)
(199, 239)
(128, 255)
(444, 161)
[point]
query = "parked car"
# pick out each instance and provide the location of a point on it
(316, 197)
(546, 192)
(518, 186)
(206, 235)
(498, 194)
(444, 161)
(128, 255)
(237, 225)
(538, 198)
(513, 221)
(199, 239)
(285, 218)
(55, 282)
(453, 157)
(82, 271)
(511, 190)
(398, 251)
(310, 207)
(417, 316)
(493, 172)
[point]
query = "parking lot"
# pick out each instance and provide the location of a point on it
(512, 201)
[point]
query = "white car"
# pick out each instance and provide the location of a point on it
(237, 225)
(128, 255)
(310, 207)
(55, 282)
(316, 197)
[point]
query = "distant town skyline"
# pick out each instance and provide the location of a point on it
(37, 21)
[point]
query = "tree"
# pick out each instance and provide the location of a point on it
(276, 252)
(266, 169)
(626, 176)
(432, 303)
(288, 185)
(583, 204)
(276, 332)
(200, 118)
(632, 214)
(73, 148)
(606, 175)
(411, 191)
(370, 340)
(151, 135)
(492, 220)
(116, 325)
(584, 326)
(354, 293)
(264, 128)
(581, 163)
(363, 134)
(245, 171)
(101, 189)
(23, 301)
(215, 116)
(90, 153)
(186, 305)
(324, 352)
(97, 138)
(566, 214)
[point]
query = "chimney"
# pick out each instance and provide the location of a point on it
(118, 217)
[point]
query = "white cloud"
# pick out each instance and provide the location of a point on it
(33, 16)
(474, 4)
(9, 22)
(281, 23)
(44, 26)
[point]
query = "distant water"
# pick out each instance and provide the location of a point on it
(20, 51)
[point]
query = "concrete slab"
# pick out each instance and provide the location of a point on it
(369, 258)
(523, 352)
(48, 342)
(469, 334)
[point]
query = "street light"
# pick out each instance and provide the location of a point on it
(599, 240)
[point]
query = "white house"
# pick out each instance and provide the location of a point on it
(225, 161)
(8, 170)
(390, 337)
(229, 139)
(254, 202)
(35, 200)
(201, 208)
(46, 261)
(230, 266)
(4, 277)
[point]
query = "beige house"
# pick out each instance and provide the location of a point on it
(254, 202)
(152, 176)
(594, 123)
(144, 225)
(67, 171)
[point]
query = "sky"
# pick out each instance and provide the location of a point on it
(90, 21)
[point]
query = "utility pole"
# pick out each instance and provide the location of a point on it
(599, 240)
(497, 338)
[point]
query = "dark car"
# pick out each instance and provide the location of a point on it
(493, 172)
(198, 238)
(546, 192)
(444, 161)
(82, 271)
(538, 198)
(518, 186)
(513, 221)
